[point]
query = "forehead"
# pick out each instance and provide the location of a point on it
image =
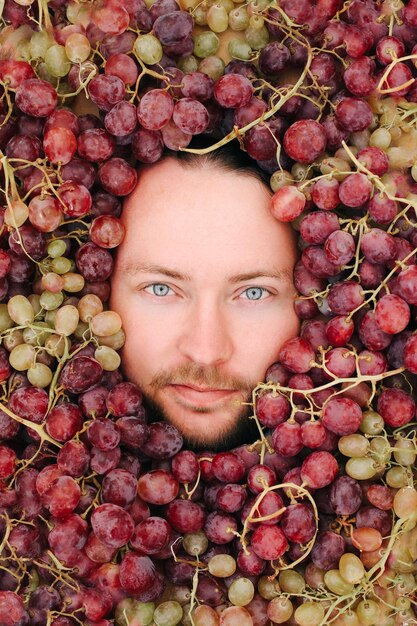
(186, 212)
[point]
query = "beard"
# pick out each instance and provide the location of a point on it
(243, 430)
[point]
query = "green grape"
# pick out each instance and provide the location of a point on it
(229, 5)
(239, 49)
(241, 592)
(372, 423)
(39, 44)
(129, 611)
(44, 74)
(222, 565)
(56, 61)
(337, 584)
(268, 589)
(396, 477)
(361, 468)
(279, 179)
(381, 450)
(217, 18)
(148, 48)
(20, 310)
(22, 357)
(368, 612)
(195, 543)
(61, 265)
(188, 64)
(309, 614)
(257, 38)
(39, 375)
(291, 581)
(108, 358)
(5, 319)
(56, 248)
(407, 453)
(213, 66)
(351, 568)
(34, 336)
(354, 445)
(239, 18)
(200, 14)
(51, 301)
(206, 44)
(168, 614)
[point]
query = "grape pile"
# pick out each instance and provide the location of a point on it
(106, 519)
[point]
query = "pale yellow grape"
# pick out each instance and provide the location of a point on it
(195, 543)
(405, 501)
(73, 282)
(347, 618)
(256, 21)
(300, 171)
(204, 615)
(16, 214)
(115, 341)
(34, 299)
(56, 61)
(241, 591)
(108, 358)
(39, 43)
(217, 18)
(309, 614)
(336, 583)
(354, 445)
(89, 306)
(235, 616)
(55, 345)
(213, 66)
(351, 568)
(200, 14)
(82, 330)
(229, 5)
(372, 423)
(13, 339)
(268, 589)
(380, 138)
(413, 171)
(148, 49)
(336, 166)
(50, 317)
(280, 179)
(56, 248)
(168, 614)
(360, 139)
(5, 319)
(239, 18)
(407, 453)
(52, 282)
(368, 612)
(222, 565)
(79, 13)
(291, 581)
(77, 48)
(403, 604)
(66, 320)
(20, 310)
(381, 450)
(22, 357)
(35, 336)
(256, 34)
(106, 324)
(257, 6)
(361, 468)
(51, 301)
(39, 375)
(239, 50)
(61, 265)
(280, 609)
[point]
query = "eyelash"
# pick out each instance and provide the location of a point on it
(264, 289)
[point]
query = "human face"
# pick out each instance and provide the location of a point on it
(197, 308)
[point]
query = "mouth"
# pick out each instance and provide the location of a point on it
(201, 396)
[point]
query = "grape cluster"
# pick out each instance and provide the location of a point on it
(106, 519)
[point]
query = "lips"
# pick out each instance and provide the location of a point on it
(199, 396)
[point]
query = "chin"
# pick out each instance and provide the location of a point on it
(243, 430)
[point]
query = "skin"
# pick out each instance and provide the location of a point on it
(211, 224)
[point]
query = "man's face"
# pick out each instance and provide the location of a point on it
(196, 307)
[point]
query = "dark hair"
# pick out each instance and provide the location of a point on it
(229, 157)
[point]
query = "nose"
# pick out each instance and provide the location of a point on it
(206, 339)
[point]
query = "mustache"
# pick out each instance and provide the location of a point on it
(191, 374)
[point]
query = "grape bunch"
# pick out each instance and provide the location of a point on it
(106, 519)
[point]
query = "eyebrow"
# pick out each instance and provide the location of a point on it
(134, 269)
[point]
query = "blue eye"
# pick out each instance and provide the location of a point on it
(159, 289)
(255, 293)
